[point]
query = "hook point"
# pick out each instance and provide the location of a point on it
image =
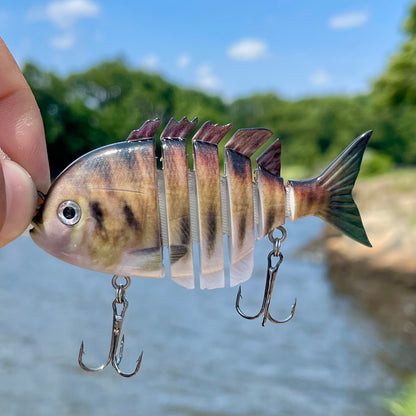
(115, 354)
(139, 360)
(136, 370)
(294, 307)
(81, 349)
(270, 281)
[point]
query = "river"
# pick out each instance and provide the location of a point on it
(200, 357)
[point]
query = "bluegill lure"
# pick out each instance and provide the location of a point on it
(114, 211)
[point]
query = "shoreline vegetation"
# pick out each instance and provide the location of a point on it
(103, 104)
(381, 278)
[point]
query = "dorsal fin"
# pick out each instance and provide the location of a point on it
(270, 158)
(211, 133)
(146, 131)
(178, 129)
(247, 141)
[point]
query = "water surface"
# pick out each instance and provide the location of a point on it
(200, 357)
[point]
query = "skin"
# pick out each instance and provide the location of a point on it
(24, 164)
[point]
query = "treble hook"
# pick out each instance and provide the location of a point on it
(116, 338)
(270, 280)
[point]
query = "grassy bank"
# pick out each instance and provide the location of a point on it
(404, 402)
(381, 278)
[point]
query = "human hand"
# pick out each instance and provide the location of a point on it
(24, 164)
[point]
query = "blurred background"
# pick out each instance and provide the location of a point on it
(317, 74)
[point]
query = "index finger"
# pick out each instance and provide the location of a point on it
(22, 135)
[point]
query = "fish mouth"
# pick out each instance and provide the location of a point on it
(37, 219)
(34, 228)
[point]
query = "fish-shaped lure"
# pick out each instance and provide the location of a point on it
(113, 211)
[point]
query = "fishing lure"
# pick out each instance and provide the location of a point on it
(114, 211)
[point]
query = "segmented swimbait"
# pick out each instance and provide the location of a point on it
(113, 211)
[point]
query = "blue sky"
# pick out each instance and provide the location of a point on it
(232, 48)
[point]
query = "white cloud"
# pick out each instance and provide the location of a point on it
(320, 78)
(348, 20)
(63, 41)
(248, 50)
(183, 61)
(150, 61)
(64, 14)
(206, 79)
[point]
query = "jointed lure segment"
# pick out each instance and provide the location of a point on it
(113, 211)
(175, 169)
(208, 187)
(120, 198)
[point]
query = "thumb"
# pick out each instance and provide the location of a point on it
(18, 200)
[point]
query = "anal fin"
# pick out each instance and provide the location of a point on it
(241, 270)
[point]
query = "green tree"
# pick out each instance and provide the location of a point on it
(397, 86)
(103, 104)
(394, 100)
(69, 124)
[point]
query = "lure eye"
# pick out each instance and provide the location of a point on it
(69, 212)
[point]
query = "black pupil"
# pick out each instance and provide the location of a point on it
(69, 213)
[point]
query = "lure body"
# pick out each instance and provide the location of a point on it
(113, 211)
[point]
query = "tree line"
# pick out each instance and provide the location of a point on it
(103, 104)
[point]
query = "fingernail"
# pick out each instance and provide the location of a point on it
(19, 201)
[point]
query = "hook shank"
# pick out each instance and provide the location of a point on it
(115, 354)
(269, 286)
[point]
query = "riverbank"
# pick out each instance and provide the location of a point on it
(382, 278)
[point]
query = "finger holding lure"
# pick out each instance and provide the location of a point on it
(113, 211)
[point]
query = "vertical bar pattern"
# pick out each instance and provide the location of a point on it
(272, 202)
(271, 190)
(206, 163)
(240, 195)
(238, 151)
(120, 186)
(145, 172)
(175, 168)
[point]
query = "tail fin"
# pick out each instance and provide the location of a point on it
(329, 195)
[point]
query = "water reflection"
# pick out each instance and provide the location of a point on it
(200, 357)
